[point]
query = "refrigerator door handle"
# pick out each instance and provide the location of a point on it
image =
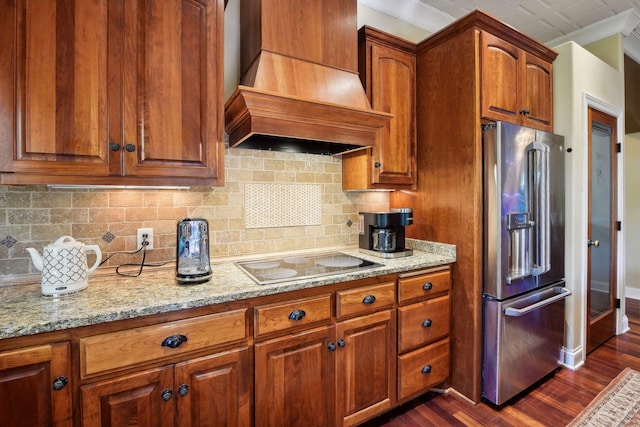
(538, 171)
(517, 312)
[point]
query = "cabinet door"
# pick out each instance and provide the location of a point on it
(538, 93)
(500, 74)
(142, 399)
(53, 87)
(33, 386)
(214, 390)
(393, 76)
(172, 105)
(365, 367)
(293, 380)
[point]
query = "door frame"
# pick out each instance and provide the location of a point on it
(622, 322)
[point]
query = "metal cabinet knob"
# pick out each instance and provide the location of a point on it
(426, 369)
(130, 148)
(369, 299)
(594, 243)
(331, 346)
(427, 286)
(167, 394)
(426, 323)
(341, 343)
(174, 341)
(183, 390)
(114, 146)
(297, 315)
(60, 382)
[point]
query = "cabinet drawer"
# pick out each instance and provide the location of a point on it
(118, 350)
(286, 315)
(423, 322)
(365, 300)
(423, 285)
(423, 368)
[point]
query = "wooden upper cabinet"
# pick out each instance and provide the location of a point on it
(106, 92)
(53, 87)
(388, 73)
(517, 87)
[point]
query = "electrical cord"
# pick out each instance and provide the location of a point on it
(141, 264)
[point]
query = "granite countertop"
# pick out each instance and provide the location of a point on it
(111, 297)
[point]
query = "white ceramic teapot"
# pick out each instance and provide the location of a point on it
(64, 266)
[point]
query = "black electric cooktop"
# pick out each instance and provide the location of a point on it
(295, 267)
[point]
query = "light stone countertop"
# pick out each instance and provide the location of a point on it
(23, 311)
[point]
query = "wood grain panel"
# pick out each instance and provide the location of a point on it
(276, 317)
(118, 350)
(423, 286)
(412, 375)
(412, 330)
(352, 302)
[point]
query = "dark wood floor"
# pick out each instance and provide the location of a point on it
(554, 402)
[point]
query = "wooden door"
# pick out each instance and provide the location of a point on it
(602, 229)
(53, 87)
(365, 367)
(144, 399)
(34, 389)
(537, 93)
(293, 380)
(393, 76)
(500, 74)
(214, 390)
(172, 86)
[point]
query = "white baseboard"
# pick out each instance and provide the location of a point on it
(572, 359)
(633, 293)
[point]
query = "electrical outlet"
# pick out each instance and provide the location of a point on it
(149, 235)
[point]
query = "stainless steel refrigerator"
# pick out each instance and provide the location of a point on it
(524, 291)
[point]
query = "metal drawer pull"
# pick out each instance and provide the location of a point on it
(427, 286)
(369, 299)
(167, 394)
(60, 382)
(426, 323)
(183, 390)
(297, 315)
(331, 346)
(174, 341)
(426, 369)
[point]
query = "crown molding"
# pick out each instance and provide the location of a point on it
(414, 12)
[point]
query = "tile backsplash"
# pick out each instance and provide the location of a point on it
(34, 216)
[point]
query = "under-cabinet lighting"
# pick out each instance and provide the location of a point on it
(116, 187)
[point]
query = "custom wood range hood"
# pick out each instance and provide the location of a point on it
(299, 87)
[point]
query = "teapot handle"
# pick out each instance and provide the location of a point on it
(96, 249)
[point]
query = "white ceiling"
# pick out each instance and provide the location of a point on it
(549, 21)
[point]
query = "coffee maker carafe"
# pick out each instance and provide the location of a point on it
(192, 258)
(382, 233)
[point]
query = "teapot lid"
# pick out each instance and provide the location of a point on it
(66, 241)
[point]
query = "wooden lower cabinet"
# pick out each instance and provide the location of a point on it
(207, 391)
(293, 380)
(34, 389)
(365, 365)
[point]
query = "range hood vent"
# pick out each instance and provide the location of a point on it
(300, 90)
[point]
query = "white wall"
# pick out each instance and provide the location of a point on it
(631, 225)
(579, 78)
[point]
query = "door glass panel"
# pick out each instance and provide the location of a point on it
(601, 202)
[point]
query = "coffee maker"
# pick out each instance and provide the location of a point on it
(192, 258)
(382, 233)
